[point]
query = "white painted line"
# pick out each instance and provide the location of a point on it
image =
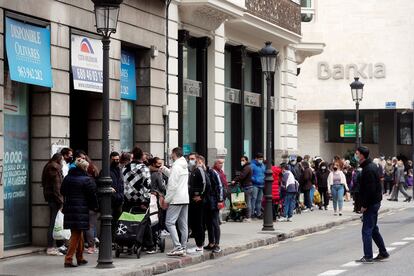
(240, 256)
(408, 239)
(399, 243)
(351, 264)
(389, 249)
(332, 272)
(199, 268)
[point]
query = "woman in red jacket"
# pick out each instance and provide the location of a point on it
(276, 190)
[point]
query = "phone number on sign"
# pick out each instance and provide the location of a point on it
(26, 72)
(89, 75)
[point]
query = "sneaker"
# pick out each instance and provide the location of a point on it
(177, 252)
(365, 260)
(208, 247)
(289, 220)
(91, 250)
(381, 257)
(305, 211)
(282, 220)
(195, 250)
(340, 214)
(247, 220)
(151, 251)
(53, 252)
(216, 249)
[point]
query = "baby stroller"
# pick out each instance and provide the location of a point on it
(237, 204)
(134, 230)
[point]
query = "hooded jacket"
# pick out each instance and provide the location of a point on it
(177, 188)
(258, 176)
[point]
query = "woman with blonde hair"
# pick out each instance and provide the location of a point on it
(337, 186)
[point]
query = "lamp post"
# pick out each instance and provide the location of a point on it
(357, 91)
(106, 15)
(268, 56)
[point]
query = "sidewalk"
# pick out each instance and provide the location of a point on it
(235, 237)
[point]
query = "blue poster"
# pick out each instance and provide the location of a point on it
(128, 81)
(28, 53)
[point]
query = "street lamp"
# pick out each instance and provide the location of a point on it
(106, 15)
(268, 56)
(357, 91)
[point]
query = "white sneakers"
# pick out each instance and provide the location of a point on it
(285, 220)
(53, 252)
(198, 250)
(179, 252)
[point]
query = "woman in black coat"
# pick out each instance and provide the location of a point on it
(79, 191)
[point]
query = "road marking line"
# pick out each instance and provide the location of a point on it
(332, 272)
(199, 268)
(408, 239)
(240, 256)
(399, 243)
(351, 264)
(391, 249)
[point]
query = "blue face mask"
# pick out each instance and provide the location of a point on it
(356, 157)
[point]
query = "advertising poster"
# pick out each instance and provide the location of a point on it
(128, 80)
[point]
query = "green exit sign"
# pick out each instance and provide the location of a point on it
(348, 130)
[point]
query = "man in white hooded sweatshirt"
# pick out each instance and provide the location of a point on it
(176, 202)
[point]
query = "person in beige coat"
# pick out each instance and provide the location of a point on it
(337, 186)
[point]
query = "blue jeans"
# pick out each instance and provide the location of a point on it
(257, 197)
(248, 195)
(337, 196)
(370, 231)
(289, 204)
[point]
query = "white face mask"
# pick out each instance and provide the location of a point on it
(191, 163)
(260, 161)
(323, 168)
(293, 162)
(242, 163)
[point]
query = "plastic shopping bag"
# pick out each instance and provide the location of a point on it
(58, 232)
(153, 209)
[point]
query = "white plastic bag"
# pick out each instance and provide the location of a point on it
(153, 209)
(58, 232)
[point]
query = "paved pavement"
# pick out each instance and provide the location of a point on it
(236, 237)
(330, 252)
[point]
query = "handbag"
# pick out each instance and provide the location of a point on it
(58, 232)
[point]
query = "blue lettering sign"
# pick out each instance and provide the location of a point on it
(128, 81)
(28, 53)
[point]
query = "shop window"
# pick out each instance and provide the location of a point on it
(308, 10)
(127, 125)
(405, 131)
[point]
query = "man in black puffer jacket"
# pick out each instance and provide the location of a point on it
(79, 191)
(371, 197)
(118, 189)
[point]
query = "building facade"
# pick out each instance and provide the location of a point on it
(182, 73)
(365, 39)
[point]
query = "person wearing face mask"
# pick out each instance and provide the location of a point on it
(157, 180)
(117, 199)
(337, 185)
(67, 154)
(245, 180)
(322, 175)
(258, 177)
(176, 203)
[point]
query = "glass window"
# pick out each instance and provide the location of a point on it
(308, 10)
(248, 131)
(405, 123)
(127, 125)
(17, 228)
(227, 68)
(189, 102)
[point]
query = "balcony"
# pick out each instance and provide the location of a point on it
(283, 13)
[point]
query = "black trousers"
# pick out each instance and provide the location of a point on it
(324, 196)
(196, 220)
(388, 186)
(54, 208)
(357, 202)
(213, 225)
(116, 213)
(307, 199)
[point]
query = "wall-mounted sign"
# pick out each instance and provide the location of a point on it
(87, 63)
(232, 95)
(252, 99)
(128, 79)
(349, 71)
(348, 130)
(192, 88)
(390, 105)
(28, 53)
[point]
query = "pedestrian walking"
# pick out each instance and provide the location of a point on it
(322, 176)
(245, 180)
(371, 197)
(388, 177)
(337, 186)
(290, 186)
(214, 202)
(197, 184)
(176, 202)
(52, 181)
(117, 198)
(258, 176)
(79, 191)
(400, 184)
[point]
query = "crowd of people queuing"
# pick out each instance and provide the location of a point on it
(191, 195)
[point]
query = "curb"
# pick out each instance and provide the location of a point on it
(176, 263)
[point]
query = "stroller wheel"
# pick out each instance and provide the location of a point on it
(161, 245)
(139, 252)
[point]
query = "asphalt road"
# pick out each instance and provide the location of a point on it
(331, 252)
